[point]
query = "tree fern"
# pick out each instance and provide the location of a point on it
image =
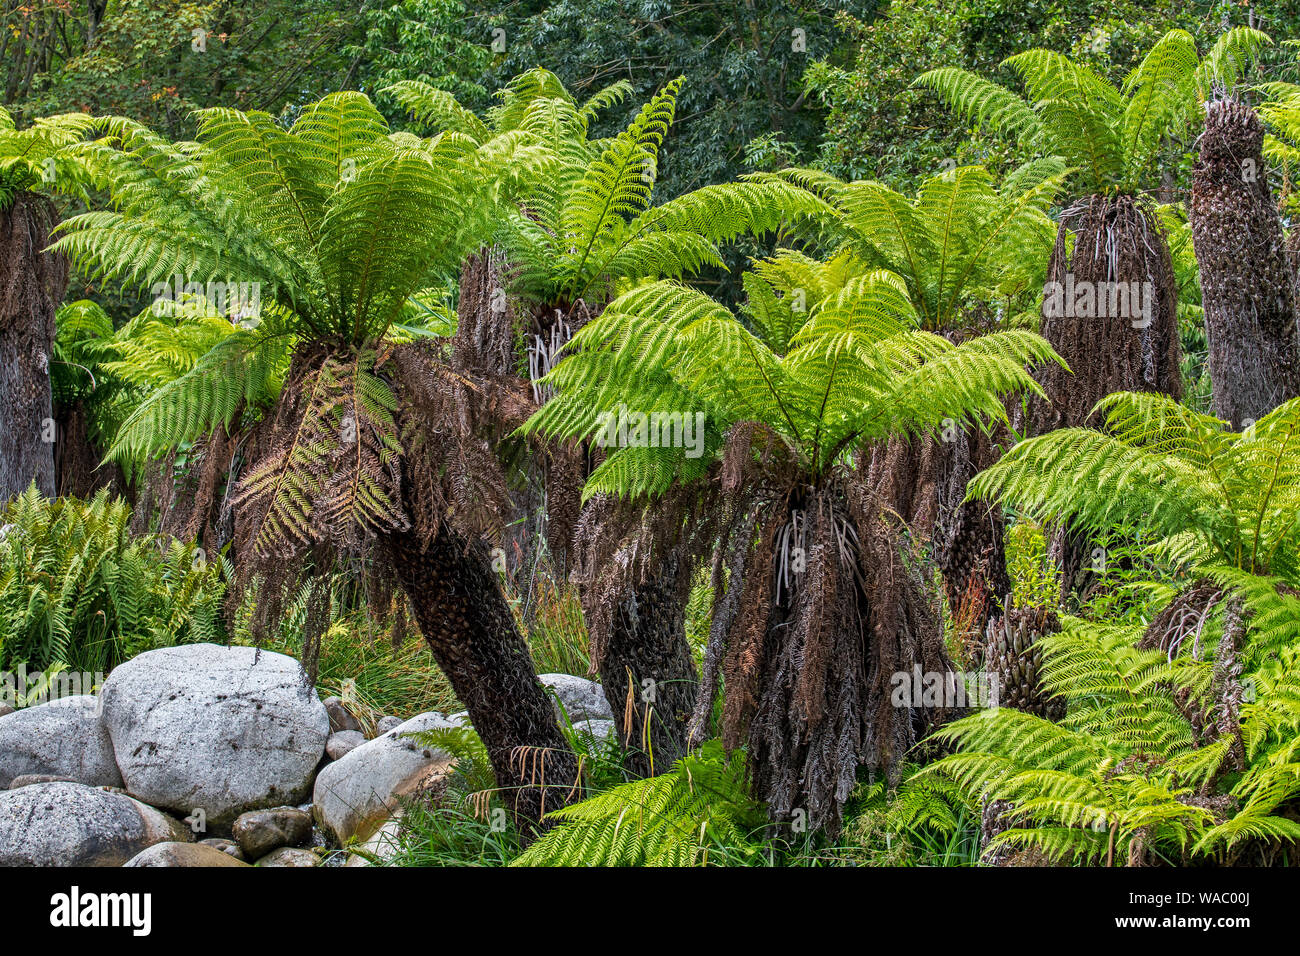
(1110, 135)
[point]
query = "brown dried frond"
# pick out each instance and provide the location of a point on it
(742, 666)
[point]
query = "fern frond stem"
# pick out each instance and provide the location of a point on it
(1268, 493)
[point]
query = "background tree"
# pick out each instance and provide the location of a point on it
(32, 282)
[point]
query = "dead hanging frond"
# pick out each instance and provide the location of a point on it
(450, 422)
(331, 465)
(727, 580)
(806, 733)
(742, 666)
(903, 634)
(1183, 619)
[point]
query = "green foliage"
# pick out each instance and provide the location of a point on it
(696, 813)
(1035, 579)
(958, 238)
(77, 588)
(745, 62)
(854, 369)
(37, 158)
(586, 222)
(1204, 494)
(1111, 135)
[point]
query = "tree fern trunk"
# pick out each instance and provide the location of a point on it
(472, 634)
(32, 282)
(1118, 245)
(1247, 286)
(648, 673)
(968, 540)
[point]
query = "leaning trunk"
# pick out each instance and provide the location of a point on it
(32, 281)
(1247, 287)
(472, 634)
(648, 672)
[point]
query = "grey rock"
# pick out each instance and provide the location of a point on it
(6, 710)
(383, 845)
(221, 729)
(387, 723)
(356, 795)
(582, 699)
(183, 854)
(289, 856)
(340, 717)
(342, 742)
(258, 832)
(461, 718)
(228, 847)
(64, 738)
(27, 779)
(71, 824)
(598, 730)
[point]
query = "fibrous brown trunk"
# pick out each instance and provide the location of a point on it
(1247, 285)
(1110, 310)
(1111, 342)
(818, 659)
(32, 282)
(923, 480)
(648, 672)
(469, 628)
(968, 542)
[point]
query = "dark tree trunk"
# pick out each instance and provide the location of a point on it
(1111, 311)
(648, 673)
(32, 282)
(1118, 246)
(79, 467)
(1247, 286)
(968, 541)
(468, 625)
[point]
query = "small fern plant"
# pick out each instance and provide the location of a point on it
(695, 814)
(78, 589)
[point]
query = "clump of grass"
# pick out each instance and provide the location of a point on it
(359, 663)
(557, 633)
